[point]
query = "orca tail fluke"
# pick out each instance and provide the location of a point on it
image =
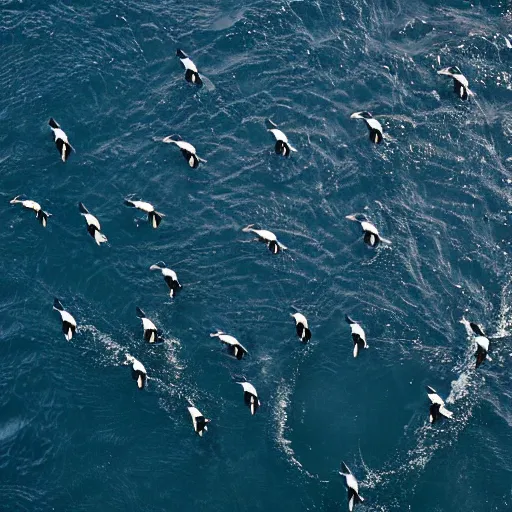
(53, 123)
(171, 139)
(139, 312)
(431, 390)
(181, 54)
(248, 228)
(127, 202)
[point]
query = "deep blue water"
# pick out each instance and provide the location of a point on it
(76, 434)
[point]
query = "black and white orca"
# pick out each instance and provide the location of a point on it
(170, 278)
(191, 73)
(250, 396)
(352, 486)
(187, 150)
(41, 215)
(282, 147)
(139, 373)
(234, 345)
(267, 237)
(371, 234)
(61, 140)
(93, 225)
(150, 330)
(154, 217)
(198, 420)
(437, 408)
(482, 344)
(68, 322)
(301, 324)
(374, 127)
(460, 82)
(358, 335)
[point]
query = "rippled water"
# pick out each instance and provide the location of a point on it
(75, 433)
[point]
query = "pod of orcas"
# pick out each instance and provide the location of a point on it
(151, 333)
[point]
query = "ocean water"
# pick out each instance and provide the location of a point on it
(76, 433)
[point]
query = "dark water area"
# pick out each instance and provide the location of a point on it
(77, 434)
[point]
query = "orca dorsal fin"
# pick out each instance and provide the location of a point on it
(57, 305)
(270, 124)
(82, 208)
(476, 329)
(349, 320)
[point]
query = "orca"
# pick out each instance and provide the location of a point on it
(41, 215)
(302, 327)
(139, 373)
(93, 225)
(68, 322)
(482, 344)
(374, 127)
(282, 147)
(437, 408)
(61, 140)
(150, 330)
(267, 237)
(358, 335)
(371, 236)
(250, 396)
(187, 150)
(460, 82)
(170, 278)
(352, 486)
(235, 346)
(191, 73)
(198, 421)
(154, 217)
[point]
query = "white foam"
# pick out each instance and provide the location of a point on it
(282, 402)
(115, 351)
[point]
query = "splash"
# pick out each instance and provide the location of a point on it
(282, 402)
(114, 351)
